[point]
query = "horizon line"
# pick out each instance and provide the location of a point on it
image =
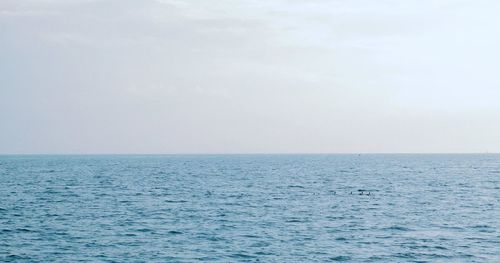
(256, 153)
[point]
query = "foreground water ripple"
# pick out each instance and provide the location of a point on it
(250, 208)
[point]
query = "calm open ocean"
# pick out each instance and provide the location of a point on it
(249, 208)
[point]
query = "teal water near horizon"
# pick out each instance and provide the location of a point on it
(250, 208)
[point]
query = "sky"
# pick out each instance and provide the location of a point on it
(246, 76)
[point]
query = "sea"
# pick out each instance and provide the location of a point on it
(250, 208)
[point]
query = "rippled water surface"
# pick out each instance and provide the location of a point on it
(249, 208)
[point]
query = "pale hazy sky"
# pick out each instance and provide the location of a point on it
(235, 76)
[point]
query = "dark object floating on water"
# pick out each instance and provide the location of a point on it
(362, 192)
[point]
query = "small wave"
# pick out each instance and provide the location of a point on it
(24, 230)
(213, 238)
(15, 257)
(260, 244)
(441, 248)
(434, 255)
(405, 255)
(241, 255)
(175, 201)
(250, 236)
(295, 220)
(398, 228)
(144, 230)
(341, 258)
(484, 228)
(263, 253)
(481, 226)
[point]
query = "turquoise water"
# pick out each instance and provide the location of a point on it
(250, 208)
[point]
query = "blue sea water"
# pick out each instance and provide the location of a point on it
(250, 208)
